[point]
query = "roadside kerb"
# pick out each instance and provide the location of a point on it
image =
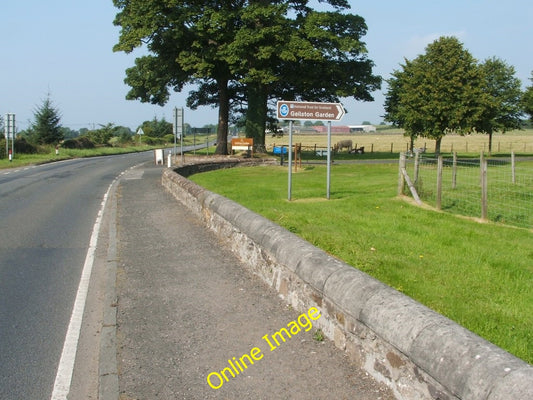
(417, 352)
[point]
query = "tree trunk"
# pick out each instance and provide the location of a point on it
(490, 143)
(412, 143)
(256, 115)
(437, 146)
(223, 117)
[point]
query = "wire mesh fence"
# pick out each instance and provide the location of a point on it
(495, 189)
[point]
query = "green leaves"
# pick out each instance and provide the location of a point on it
(502, 110)
(249, 51)
(444, 90)
(527, 100)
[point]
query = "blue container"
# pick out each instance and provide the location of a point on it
(277, 149)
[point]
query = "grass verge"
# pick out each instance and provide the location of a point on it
(479, 275)
(21, 160)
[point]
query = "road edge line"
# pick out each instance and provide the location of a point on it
(65, 368)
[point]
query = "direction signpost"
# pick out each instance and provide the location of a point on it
(9, 128)
(304, 110)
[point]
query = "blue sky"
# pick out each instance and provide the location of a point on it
(64, 47)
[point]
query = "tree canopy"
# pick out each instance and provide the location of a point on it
(445, 90)
(242, 53)
(503, 110)
(438, 92)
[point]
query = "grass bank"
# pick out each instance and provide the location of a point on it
(21, 160)
(479, 275)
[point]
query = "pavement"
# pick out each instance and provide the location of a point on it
(186, 306)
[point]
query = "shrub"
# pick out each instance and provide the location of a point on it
(3, 148)
(24, 147)
(169, 138)
(85, 142)
(81, 142)
(152, 141)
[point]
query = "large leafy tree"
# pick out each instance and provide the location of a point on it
(263, 41)
(46, 128)
(439, 92)
(323, 60)
(186, 43)
(242, 53)
(502, 111)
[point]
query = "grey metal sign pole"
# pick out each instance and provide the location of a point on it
(178, 129)
(175, 126)
(6, 133)
(328, 179)
(290, 160)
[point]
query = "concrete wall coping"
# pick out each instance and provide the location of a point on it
(419, 353)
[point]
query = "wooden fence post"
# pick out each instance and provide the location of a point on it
(401, 180)
(417, 167)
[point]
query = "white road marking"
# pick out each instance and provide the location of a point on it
(68, 355)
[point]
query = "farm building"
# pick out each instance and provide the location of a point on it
(334, 129)
(362, 128)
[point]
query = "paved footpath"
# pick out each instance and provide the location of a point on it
(186, 306)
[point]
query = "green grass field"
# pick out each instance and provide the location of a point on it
(28, 159)
(480, 275)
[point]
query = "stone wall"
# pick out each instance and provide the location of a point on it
(418, 353)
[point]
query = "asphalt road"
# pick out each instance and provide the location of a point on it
(47, 214)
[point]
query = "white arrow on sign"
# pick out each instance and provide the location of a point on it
(341, 111)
